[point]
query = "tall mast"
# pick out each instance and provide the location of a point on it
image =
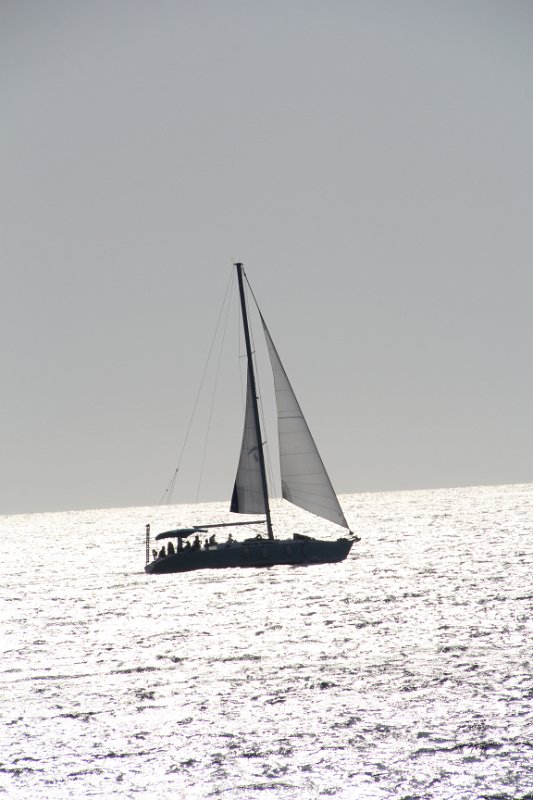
(251, 376)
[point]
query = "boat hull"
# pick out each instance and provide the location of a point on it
(255, 553)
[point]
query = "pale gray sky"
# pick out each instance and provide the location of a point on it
(370, 162)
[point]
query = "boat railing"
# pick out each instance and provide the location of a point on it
(148, 544)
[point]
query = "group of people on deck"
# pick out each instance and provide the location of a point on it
(196, 545)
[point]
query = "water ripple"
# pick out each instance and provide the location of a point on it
(404, 672)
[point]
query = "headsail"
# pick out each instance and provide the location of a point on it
(304, 480)
(247, 495)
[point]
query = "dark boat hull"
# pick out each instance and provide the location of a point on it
(255, 553)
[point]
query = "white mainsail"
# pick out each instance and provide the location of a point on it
(304, 480)
(247, 495)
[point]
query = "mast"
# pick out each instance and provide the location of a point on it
(251, 376)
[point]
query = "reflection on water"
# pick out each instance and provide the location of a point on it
(403, 672)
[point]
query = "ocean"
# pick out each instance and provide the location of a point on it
(404, 672)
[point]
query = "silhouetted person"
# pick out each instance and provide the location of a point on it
(170, 549)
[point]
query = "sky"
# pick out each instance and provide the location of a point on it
(369, 162)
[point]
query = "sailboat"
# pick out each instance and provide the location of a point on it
(304, 482)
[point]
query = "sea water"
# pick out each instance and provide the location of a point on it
(403, 672)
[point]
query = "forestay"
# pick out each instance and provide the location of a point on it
(304, 480)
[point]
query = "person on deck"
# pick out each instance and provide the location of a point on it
(170, 549)
(212, 539)
(162, 552)
(196, 544)
(229, 541)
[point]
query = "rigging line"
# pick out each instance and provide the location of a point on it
(266, 446)
(170, 488)
(206, 439)
(264, 325)
(241, 355)
(167, 494)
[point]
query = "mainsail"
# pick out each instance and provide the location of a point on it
(304, 480)
(247, 495)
